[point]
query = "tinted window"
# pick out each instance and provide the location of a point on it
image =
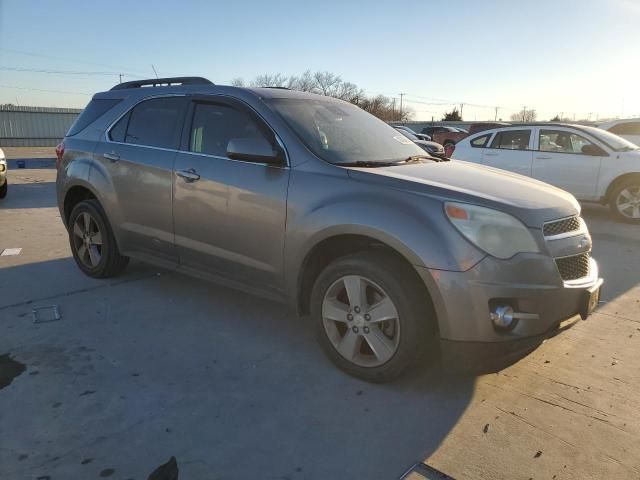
(561, 141)
(512, 140)
(118, 131)
(480, 141)
(93, 111)
(628, 128)
(215, 125)
(155, 122)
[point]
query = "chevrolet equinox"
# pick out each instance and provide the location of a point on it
(312, 201)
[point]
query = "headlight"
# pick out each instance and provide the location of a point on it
(497, 233)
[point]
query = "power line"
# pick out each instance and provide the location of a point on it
(15, 87)
(58, 72)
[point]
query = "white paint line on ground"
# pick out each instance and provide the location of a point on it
(10, 251)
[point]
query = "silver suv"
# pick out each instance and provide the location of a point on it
(312, 201)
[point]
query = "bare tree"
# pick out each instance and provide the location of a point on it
(270, 80)
(332, 85)
(525, 115)
(238, 82)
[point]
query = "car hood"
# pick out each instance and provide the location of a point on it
(532, 201)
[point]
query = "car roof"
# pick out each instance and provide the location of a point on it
(211, 89)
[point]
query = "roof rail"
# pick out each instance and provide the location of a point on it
(163, 82)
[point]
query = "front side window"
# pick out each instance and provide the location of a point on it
(215, 125)
(342, 133)
(153, 123)
(512, 140)
(561, 141)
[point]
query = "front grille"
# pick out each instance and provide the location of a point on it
(558, 227)
(574, 267)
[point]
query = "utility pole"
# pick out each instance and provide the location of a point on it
(524, 112)
(401, 95)
(495, 117)
(393, 108)
(461, 105)
(120, 75)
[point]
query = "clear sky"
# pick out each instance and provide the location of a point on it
(577, 57)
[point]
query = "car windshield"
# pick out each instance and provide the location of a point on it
(341, 133)
(617, 144)
(408, 134)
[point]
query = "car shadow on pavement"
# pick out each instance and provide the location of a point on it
(29, 195)
(226, 382)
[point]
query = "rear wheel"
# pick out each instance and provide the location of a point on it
(4, 188)
(624, 201)
(371, 317)
(93, 243)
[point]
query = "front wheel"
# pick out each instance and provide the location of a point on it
(371, 316)
(625, 201)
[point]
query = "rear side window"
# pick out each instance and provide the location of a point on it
(96, 108)
(215, 125)
(154, 123)
(512, 140)
(119, 130)
(627, 128)
(480, 141)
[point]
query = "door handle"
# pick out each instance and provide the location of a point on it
(543, 157)
(189, 175)
(489, 154)
(114, 157)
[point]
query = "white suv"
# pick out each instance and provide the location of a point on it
(592, 164)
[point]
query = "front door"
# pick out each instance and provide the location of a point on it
(559, 160)
(510, 150)
(229, 215)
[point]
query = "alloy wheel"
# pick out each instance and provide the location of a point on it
(87, 240)
(361, 321)
(628, 202)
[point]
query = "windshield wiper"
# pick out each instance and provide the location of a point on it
(366, 164)
(374, 164)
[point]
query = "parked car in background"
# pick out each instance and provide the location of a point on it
(433, 148)
(481, 126)
(313, 201)
(628, 128)
(592, 164)
(445, 135)
(421, 136)
(4, 183)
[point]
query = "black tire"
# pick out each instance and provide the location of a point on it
(111, 262)
(4, 188)
(400, 283)
(631, 184)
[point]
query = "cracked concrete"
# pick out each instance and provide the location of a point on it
(154, 364)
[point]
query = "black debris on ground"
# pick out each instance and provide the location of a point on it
(166, 471)
(9, 369)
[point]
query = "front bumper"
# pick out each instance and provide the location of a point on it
(530, 283)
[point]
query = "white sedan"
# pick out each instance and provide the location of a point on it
(592, 164)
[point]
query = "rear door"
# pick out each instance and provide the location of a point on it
(560, 161)
(230, 216)
(138, 154)
(510, 150)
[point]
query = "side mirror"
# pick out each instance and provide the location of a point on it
(256, 150)
(593, 150)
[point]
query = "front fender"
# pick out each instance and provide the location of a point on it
(413, 225)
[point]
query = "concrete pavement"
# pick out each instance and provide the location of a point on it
(154, 364)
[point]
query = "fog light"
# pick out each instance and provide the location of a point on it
(503, 318)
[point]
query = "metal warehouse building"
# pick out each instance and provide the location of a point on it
(34, 126)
